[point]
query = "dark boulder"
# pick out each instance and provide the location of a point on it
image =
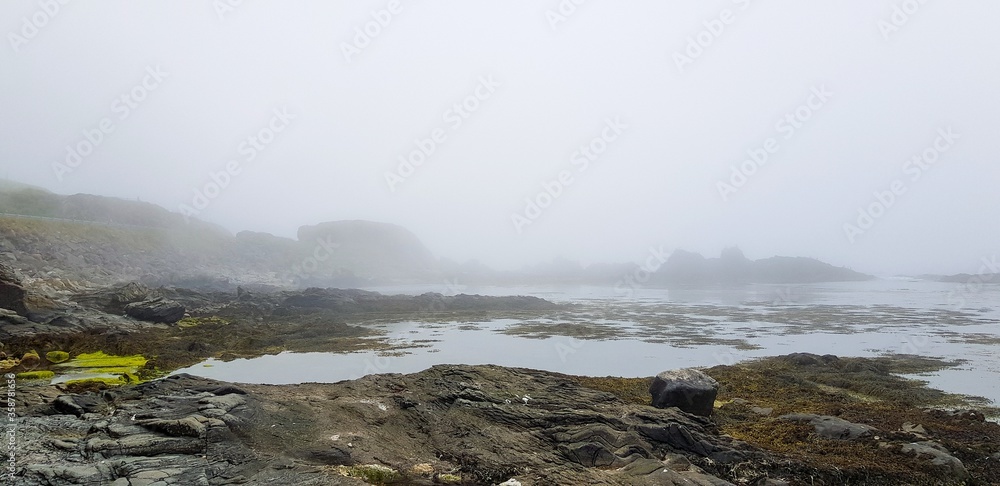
(156, 310)
(12, 293)
(689, 390)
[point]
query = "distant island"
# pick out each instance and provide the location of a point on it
(732, 267)
(965, 278)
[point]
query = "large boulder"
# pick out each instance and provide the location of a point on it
(12, 293)
(688, 389)
(156, 310)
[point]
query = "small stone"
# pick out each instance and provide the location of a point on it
(914, 428)
(677, 462)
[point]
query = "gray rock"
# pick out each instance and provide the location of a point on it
(938, 456)
(653, 472)
(129, 293)
(829, 427)
(145, 445)
(9, 316)
(156, 310)
(78, 404)
(185, 427)
(689, 390)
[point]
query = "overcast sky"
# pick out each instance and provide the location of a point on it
(311, 117)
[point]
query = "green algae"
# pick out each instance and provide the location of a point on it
(36, 375)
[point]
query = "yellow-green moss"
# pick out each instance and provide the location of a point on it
(449, 479)
(36, 375)
(57, 356)
(112, 381)
(106, 363)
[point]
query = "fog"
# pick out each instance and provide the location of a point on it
(541, 129)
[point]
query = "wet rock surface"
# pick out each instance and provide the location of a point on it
(454, 424)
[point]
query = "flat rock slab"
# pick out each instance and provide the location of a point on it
(829, 427)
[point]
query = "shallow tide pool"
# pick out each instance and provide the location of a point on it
(652, 330)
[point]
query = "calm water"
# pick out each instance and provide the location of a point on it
(649, 330)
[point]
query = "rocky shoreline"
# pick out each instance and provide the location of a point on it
(455, 424)
(797, 419)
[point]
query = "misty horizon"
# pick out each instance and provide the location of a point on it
(858, 134)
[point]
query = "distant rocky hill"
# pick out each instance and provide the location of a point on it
(732, 267)
(101, 239)
(378, 251)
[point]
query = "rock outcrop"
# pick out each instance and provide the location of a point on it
(353, 300)
(363, 248)
(127, 294)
